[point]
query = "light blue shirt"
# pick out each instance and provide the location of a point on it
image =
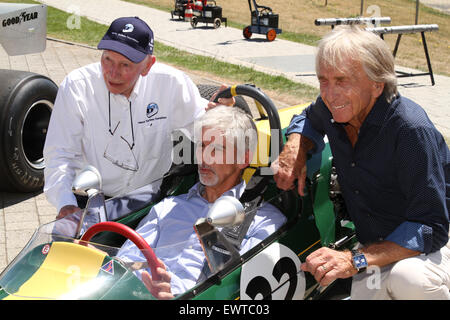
(168, 229)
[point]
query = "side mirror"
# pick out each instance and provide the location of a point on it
(87, 182)
(226, 211)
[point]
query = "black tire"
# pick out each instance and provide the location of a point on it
(194, 22)
(217, 23)
(207, 91)
(26, 102)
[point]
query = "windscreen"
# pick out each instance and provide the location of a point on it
(56, 266)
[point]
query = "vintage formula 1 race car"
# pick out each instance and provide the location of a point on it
(74, 257)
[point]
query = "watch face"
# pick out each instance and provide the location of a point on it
(360, 261)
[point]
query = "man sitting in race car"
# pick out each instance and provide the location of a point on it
(171, 221)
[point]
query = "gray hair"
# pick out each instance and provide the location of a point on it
(364, 46)
(233, 123)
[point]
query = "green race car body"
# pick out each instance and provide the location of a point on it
(52, 266)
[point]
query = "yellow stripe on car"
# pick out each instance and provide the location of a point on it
(67, 267)
(261, 158)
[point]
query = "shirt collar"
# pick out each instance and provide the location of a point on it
(136, 87)
(379, 111)
(134, 94)
(235, 191)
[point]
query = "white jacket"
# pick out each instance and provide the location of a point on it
(78, 133)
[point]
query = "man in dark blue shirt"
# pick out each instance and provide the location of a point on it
(393, 168)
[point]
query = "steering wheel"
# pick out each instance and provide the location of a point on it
(265, 102)
(130, 234)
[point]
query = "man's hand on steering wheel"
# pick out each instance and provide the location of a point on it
(160, 289)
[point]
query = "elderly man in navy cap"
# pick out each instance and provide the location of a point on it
(117, 115)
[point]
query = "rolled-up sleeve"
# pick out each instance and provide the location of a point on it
(310, 124)
(412, 235)
(301, 124)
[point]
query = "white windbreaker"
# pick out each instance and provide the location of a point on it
(78, 134)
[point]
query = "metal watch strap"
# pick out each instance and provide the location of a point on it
(359, 260)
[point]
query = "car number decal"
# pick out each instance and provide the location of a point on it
(273, 274)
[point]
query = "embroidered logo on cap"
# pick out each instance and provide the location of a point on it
(128, 28)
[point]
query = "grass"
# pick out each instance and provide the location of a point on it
(300, 30)
(235, 73)
(90, 33)
(297, 21)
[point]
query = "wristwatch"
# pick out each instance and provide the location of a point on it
(359, 260)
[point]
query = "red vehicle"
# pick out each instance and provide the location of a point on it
(180, 8)
(207, 11)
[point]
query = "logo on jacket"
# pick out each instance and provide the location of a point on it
(152, 109)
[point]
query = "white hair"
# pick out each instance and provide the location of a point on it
(233, 123)
(364, 46)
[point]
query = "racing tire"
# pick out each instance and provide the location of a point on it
(207, 91)
(194, 22)
(26, 102)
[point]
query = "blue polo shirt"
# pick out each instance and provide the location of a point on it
(396, 180)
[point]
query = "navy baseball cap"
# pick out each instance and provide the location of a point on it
(129, 36)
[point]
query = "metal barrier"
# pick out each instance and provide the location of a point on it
(404, 29)
(346, 21)
(408, 29)
(400, 30)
